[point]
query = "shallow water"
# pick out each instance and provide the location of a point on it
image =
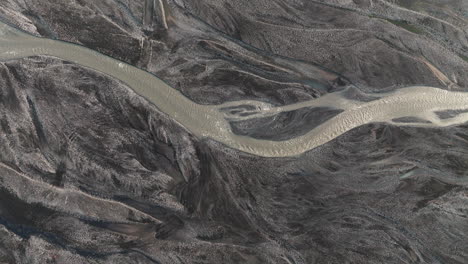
(211, 121)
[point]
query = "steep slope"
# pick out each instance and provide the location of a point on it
(91, 172)
(373, 43)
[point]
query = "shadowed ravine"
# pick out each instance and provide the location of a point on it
(209, 121)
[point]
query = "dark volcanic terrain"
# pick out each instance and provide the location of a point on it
(91, 172)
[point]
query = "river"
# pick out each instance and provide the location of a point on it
(211, 121)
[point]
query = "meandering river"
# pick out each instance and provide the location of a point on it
(211, 121)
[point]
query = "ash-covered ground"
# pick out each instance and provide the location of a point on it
(90, 172)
